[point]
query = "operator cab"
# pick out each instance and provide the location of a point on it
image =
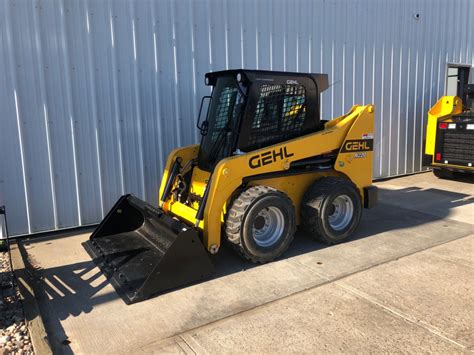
(252, 109)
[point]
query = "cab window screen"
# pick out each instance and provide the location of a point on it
(280, 114)
(224, 112)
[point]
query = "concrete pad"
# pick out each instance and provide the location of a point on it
(443, 204)
(427, 180)
(175, 345)
(80, 305)
(324, 319)
(453, 199)
(459, 251)
(83, 314)
(386, 232)
(432, 288)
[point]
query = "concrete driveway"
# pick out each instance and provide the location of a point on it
(404, 284)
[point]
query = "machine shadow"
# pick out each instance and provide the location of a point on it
(71, 290)
(62, 292)
(388, 215)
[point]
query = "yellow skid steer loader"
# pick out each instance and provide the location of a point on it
(266, 164)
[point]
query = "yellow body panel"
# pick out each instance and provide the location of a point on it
(186, 153)
(357, 166)
(294, 186)
(184, 212)
(200, 179)
(348, 134)
(444, 108)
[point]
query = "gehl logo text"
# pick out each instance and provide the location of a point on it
(269, 157)
(357, 145)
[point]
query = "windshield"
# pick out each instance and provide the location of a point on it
(224, 115)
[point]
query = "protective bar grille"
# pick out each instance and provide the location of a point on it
(223, 114)
(455, 142)
(459, 146)
(280, 114)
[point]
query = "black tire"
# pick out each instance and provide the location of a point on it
(443, 173)
(318, 206)
(244, 229)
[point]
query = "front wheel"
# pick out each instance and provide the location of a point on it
(261, 223)
(331, 209)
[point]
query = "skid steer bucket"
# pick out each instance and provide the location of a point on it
(144, 251)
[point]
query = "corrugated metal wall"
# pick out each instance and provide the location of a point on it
(94, 94)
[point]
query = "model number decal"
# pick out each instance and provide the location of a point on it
(360, 155)
(269, 157)
(357, 145)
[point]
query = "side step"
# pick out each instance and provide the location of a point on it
(143, 251)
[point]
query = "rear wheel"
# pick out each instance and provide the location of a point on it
(443, 173)
(261, 223)
(331, 209)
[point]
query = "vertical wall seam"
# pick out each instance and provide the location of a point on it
(414, 112)
(209, 35)
(193, 58)
(423, 111)
(284, 38)
(407, 110)
(343, 77)
(271, 42)
(43, 95)
(363, 74)
(241, 37)
(399, 108)
(115, 99)
(381, 107)
(332, 76)
(226, 34)
(93, 95)
(70, 109)
(157, 95)
(353, 78)
(139, 118)
(14, 79)
(256, 37)
(389, 155)
(175, 67)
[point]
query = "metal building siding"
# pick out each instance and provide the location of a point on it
(94, 94)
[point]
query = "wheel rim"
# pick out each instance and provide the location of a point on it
(342, 212)
(268, 226)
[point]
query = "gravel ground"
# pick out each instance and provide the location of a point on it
(14, 337)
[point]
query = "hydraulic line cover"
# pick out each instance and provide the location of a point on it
(143, 251)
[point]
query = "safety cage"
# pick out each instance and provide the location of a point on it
(254, 109)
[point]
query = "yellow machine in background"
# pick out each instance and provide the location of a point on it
(449, 146)
(266, 164)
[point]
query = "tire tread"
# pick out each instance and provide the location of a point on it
(235, 217)
(313, 200)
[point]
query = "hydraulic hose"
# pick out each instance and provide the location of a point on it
(171, 178)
